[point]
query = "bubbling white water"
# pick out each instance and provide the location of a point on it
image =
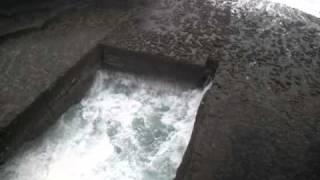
(308, 6)
(125, 129)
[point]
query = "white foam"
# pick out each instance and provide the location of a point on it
(124, 130)
(308, 6)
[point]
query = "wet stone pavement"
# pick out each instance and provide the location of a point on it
(261, 118)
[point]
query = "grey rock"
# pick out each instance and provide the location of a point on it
(260, 120)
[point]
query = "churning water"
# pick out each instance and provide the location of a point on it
(125, 129)
(308, 6)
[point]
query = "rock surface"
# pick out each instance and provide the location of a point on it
(260, 120)
(31, 61)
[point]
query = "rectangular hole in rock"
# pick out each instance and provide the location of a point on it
(116, 115)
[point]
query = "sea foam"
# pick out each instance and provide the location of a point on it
(126, 128)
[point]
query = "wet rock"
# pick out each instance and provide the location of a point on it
(261, 118)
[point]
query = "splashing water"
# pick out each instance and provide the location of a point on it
(308, 6)
(125, 129)
(311, 7)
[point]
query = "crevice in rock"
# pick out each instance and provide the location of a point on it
(74, 84)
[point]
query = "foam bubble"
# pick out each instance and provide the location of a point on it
(125, 129)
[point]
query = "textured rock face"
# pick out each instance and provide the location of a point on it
(32, 59)
(261, 118)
